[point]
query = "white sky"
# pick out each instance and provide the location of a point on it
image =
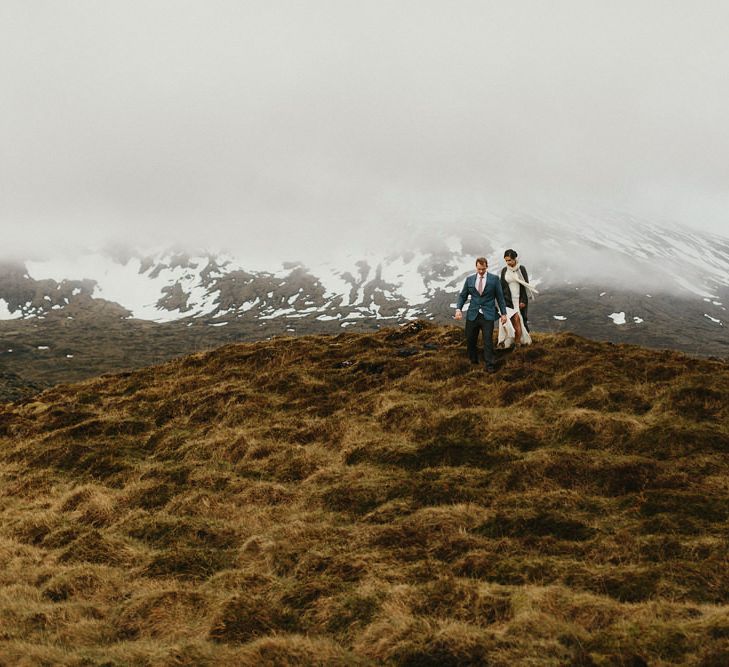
(281, 123)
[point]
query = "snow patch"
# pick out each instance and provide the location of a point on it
(5, 313)
(276, 313)
(248, 305)
(617, 318)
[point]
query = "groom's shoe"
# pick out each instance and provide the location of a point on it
(490, 368)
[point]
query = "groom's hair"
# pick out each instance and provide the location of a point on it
(481, 260)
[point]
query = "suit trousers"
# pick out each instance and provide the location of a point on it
(472, 329)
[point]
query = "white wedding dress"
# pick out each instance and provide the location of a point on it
(507, 335)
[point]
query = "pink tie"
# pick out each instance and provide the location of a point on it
(480, 284)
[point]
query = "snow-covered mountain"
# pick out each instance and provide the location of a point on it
(613, 252)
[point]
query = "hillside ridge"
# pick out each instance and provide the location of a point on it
(371, 499)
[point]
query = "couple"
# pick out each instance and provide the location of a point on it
(512, 293)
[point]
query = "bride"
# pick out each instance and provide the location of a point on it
(517, 291)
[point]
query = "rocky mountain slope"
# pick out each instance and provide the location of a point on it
(371, 499)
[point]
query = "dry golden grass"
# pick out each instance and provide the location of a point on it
(371, 499)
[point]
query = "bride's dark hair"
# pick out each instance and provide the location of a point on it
(511, 254)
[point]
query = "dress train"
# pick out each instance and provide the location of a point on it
(507, 335)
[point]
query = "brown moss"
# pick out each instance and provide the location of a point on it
(463, 600)
(625, 584)
(359, 489)
(167, 531)
(90, 505)
(149, 495)
(189, 563)
(93, 547)
(298, 651)
(33, 529)
(247, 616)
(668, 439)
(84, 582)
(410, 641)
(530, 524)
(166, 613)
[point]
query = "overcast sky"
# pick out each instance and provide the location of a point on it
(320, 122)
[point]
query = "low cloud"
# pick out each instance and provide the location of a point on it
(285, 127)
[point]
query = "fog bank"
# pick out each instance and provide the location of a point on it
(283, 127)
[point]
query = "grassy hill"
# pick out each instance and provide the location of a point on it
(370, 499)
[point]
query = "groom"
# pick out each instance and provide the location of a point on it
(484, 289)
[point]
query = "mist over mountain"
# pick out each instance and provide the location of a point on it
(286, 126)
(414, 267)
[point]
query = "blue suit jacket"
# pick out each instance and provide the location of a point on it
(482, 303)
